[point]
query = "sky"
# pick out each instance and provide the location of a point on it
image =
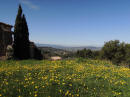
(72, 22)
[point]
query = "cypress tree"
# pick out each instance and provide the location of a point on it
(25, 38)
(17, 33)
(21, 37)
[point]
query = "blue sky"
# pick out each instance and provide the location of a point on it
(72, 22)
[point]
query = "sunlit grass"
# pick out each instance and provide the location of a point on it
(70, 78)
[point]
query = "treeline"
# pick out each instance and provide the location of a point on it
(87, 53)
(114, 50)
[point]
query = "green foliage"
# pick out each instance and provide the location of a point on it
(110, 49)
(96, 54)
(87, 53)
(116, 52)
(127, 54)
(66, 78)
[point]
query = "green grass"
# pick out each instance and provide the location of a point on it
(66, 78)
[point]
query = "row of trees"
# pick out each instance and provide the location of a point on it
(114, 50)
(87, 53)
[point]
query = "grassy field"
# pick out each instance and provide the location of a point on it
(66, 78)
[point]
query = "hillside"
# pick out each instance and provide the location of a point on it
(50, 51)
(68, 48)
(66, 78)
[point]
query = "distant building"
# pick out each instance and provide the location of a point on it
(54, 58)
(5, 37)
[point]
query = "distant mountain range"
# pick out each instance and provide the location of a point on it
(67, 48)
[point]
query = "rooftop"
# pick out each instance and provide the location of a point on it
(5, 24)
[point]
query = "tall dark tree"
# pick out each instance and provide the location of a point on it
(17, 33)
(25, 38)
(21, 36)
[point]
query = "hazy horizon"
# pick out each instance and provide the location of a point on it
(70, 45)
(72, 22)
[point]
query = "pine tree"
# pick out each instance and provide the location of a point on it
(21, 37)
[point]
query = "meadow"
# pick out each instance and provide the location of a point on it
(64, 78)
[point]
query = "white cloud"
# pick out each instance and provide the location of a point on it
(29, 4)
